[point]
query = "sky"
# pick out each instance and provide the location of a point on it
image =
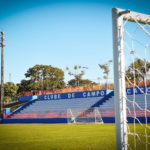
(60, 33)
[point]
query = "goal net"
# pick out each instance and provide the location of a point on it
(131, 49)
(84, 116)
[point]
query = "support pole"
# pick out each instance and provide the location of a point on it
(119, 80)
(2, 74)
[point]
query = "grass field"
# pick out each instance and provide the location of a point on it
(59, 137)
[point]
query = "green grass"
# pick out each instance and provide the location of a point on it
(58, 137)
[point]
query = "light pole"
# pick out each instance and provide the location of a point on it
(2, 73)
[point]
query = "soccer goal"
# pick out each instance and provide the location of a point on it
(131, 56)
(84, 116)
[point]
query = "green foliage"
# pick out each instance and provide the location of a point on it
(138, 68)
(78, 73)
(14, 105)
(10, 91)
(42, 77)
(105, 68)
(81, 82)
(25, 85)
(7, 99)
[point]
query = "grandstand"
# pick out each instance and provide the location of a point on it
(57, 108)
(107, 109)
(53, 108)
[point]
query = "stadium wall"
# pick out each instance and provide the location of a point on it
(83, 94)
(64, 120)
(27, 98)
(71, 95)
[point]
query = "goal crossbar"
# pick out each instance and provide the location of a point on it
(132, 16)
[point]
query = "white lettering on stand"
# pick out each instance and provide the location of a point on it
(97, 93)
(74, 95)
(84, 94)
(128, 91)
(71, 95)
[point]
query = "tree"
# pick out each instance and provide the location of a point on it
(10, 91)
(78, 73)
(138, 69)
(25, 85)
(42, 77)
(82, 82)
(105, 68)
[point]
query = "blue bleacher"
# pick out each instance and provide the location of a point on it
(139, 99)
(104, 103)
(43, 106)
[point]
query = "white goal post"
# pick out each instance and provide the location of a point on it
(84, 116)
(118, 15)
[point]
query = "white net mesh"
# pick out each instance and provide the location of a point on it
(137, 61)
(84, 116)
